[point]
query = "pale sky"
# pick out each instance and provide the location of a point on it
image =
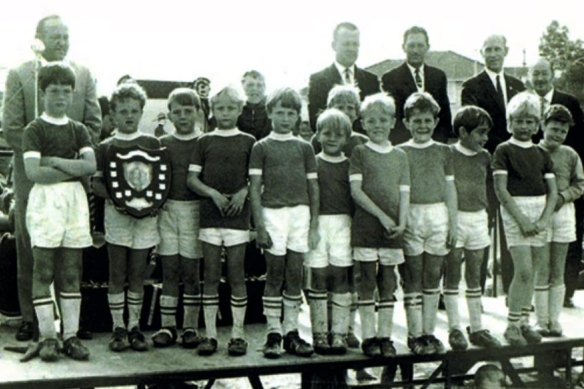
(285, 40)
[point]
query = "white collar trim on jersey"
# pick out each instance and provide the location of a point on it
(190, 136)
(332, 158)
(463, 150)
(384, 149)
(420, 145)
(230, 132)
(276, 136)
(122, 136)
(53, 120)
(523, 144)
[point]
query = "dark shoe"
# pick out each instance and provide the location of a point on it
(544, 331)
(237, 347)
(25, 331)
(338, 344)
(294, 344)
(273, 346)
(457, 340)
(555, 329)
(74, 349)
(320, 343)
(207, 347)
(530, 335)
(352, 340)
(164, 337)
(49, 350)
(370, 347)
(137, 340)
(84, 334)
(569, 303)
(119, 341)
(419, 346)
(435, 344)
(190, 338)
(483, 339)
(386, 347)
(514, 337)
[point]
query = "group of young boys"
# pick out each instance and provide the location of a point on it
(351, 213)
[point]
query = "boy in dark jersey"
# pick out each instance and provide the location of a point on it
(57, 153)
(129, 239)
(178, 225)
(218, 171)
(330, 261)
(284, 199)
(471, 165)
(525, 185)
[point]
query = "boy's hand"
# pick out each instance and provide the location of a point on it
(313, 238)
(220, 202)
(387, 223)
(541, 225)
(263, 240)
(559, 203)
(236, 203)
(396, 232)
(451, 237)
(528, 228)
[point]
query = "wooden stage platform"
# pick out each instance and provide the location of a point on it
(131, 368)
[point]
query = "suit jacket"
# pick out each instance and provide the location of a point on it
(322, 82)
(575, 138)
(400, 84)
(19, 103)
(480, 91)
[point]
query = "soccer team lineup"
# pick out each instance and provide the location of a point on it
(371, 190)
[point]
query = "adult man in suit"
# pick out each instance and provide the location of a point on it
(415, 76)
(541, 76)
(343, 71)
(20, 108)
(491, 89)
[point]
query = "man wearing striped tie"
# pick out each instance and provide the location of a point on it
(416, 76)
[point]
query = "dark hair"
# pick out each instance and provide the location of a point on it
(287, 97)
(128, 90)
(416, 30)
(346, 25)
(125, 78)
(104, 105)
(56, 73)
(41, 24)
(184, 96)
(201, 80)
(253, 74)
(470, 117)
(421, 101)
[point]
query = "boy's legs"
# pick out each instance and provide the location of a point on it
(136, 271)
(43, 275)
(236, 277)
(169, 297)
(431, 276)
(452, 278)
(118, 265)
(558, 255)
(386, 284)
(317, 300)
(541, 291)
(341, 300)
(366, 290)
(354, 279)
(190, 269)
(212, 274)
(411, 272)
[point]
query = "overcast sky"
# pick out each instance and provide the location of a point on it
(286, 40)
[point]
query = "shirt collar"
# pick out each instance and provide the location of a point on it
(341, 70)
(413, 69)
(226, 133)
(190, 136)
(493, 76)
(122, 136)
(420, 145)
(332, 158)
(275, 136)
(383, 149)
(56, 121)
(548, 96)
(523, 144)
(463, 150)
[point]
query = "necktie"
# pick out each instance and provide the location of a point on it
(543, 105)
(348, 76)
(418, 79)
(500, 91)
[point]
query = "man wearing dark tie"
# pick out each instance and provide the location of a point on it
(491, 89)
(343, 71)
(541, 76)
(415, 76)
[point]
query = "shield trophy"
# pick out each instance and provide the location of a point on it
(138, 179)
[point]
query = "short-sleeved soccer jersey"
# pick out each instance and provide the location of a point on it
(222, 159)
(470, 176)
(180, 149)
(123, 141)
(333, 184)
(383, 172)
(430, 168)
(568, 171)
(285, 163)
(49, 137)
(525, 165)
